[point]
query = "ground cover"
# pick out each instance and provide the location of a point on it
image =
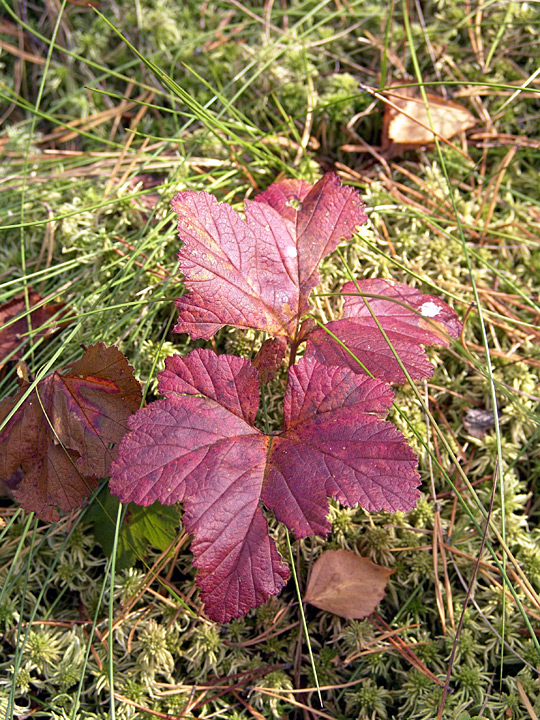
(99, 132)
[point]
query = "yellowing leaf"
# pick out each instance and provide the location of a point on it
(346, 584)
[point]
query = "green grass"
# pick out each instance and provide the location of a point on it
(105, 117)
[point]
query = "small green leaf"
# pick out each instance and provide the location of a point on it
(156, 526)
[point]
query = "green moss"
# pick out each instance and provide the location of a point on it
(368, 702)
(262, 74)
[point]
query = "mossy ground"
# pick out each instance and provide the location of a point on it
(93, 148)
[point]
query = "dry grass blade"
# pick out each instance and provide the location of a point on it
(22, 54)
(526, 701)
(405, 650)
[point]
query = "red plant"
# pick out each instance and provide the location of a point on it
(199, 444)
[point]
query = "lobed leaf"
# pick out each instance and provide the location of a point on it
(65, 434)
(322, 216)
(199, 446)
(286, 197)
(409, 318)
(335, 444)
(258, 272)
(227, 379)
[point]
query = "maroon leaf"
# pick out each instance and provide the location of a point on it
(258, 272)
(409, 318)
(199, 446)
(205, 451)
(269, 358)
(64, 435)
(328, 213)
(286, 197)
(14, 332)
(336, 445)
(227, 379)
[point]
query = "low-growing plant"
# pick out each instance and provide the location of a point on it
(200, 445)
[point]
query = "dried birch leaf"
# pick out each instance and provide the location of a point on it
(346, 584)
(409, 125)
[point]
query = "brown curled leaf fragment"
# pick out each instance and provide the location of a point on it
(269, 358)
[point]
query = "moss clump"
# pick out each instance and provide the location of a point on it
(87, 220)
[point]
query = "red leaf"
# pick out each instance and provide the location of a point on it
(14, 334)
(412, 322)
(258, 272)
(286, 197)
(336, 445)
(328, 213)
(57, 443)
(269, 358)
(199, 446)
(227, 379)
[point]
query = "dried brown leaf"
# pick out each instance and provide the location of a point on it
(269, 358)
(406, 121)
(346, 584)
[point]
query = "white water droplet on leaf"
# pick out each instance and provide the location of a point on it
(430, 309)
